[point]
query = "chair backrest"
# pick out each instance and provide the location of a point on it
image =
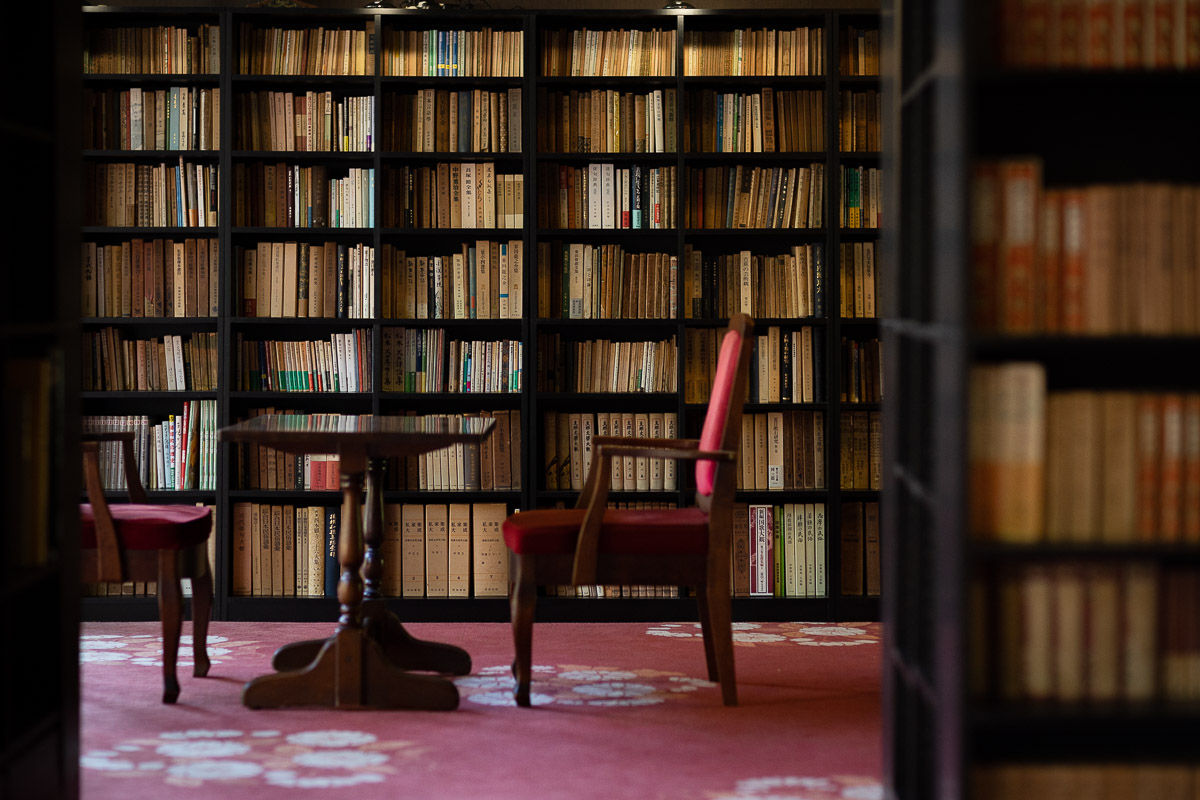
(723, 420)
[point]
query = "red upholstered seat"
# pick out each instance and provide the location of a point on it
(147, 527)
(674, 531)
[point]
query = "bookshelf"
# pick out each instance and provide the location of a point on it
(1047, 637)
(39, 335)
(503, 127)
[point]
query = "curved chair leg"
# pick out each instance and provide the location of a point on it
(170, 610)
(720, 622)
(202, 595)
(524, 597)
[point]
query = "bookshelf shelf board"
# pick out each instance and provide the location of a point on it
(169, 496)
(154, 155)
(364, 82)
(300, 398)
(851, 406)
(449, 82)
(787, 495)
(853, 81)
(334, 323)
(197, 78)
(122, 609)
(868, 323)
(855, 608)
(493, 325)
(649, 159)
(343, 233)
(601, 325)
(760, 407)
(749, 82)
(860, 156)
(452, 233)
(139, 396)
(759, 323)
(628, 495)
(869, 495)
(166, 323)
(451, 496)
(1085, 732)
(400, 155)
(609, 234)
(1167, 553)
(617, 81)
(734, 157)
(765, 235)
(143, 231)
(665, 399)
(331, 497)
(855, 233)
(305, 156)
(457, 399)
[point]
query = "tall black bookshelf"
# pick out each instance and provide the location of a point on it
(39, 333)
(390, 154)
(956, 99)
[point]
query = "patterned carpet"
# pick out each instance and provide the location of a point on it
(621, 711)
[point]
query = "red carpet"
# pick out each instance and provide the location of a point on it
(622, 712)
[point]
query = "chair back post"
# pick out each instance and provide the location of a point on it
(108, 549)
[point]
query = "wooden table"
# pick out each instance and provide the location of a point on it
(367, 661)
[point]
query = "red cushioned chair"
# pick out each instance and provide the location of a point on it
(136, 541)
(592, 544)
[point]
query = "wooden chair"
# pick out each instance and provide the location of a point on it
(137, 541)
(591, 544)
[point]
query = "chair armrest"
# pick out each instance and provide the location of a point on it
(594, 496)
(137, 494)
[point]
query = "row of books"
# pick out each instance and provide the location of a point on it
(1099, 259)
(301, 279)
(779, 550)
(1084, 781)
(143, 195)
(493, 465)
(434, 550)
(310, 121)
(172, 363)
(742, 196)
(150, 278)
(1089, 632)
(782, 365)
(603, 365)
(782, 451)
(152, 50)
(747, 51)
(860, 121)
(419, 360)
(586, 53)
(484, 280)
(861, 458)
(306, 51)
(862, 370)
(1080, 466)
(794, 383)
(606, 121)
(861, 198)
(858, 53)
(1073, 34)
(786, 285)
(859, 281)
(444, 121)
(606, 196)
(484, 53)
(176, 118)
(340, 364)
(294, 196)
(567, 447)
(602, 281)
(177, 453)
(766, 121)
(453, 195)
(860, 549)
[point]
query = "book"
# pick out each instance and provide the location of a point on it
(489, 555)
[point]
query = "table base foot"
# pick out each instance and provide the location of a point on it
(405, 650)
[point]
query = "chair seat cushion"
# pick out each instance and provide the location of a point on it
(624, 531)
(150, 527)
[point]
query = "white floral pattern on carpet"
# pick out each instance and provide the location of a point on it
(146, 649)
(317, 759)
(573, 685)
(808, 634)
(791, 787)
